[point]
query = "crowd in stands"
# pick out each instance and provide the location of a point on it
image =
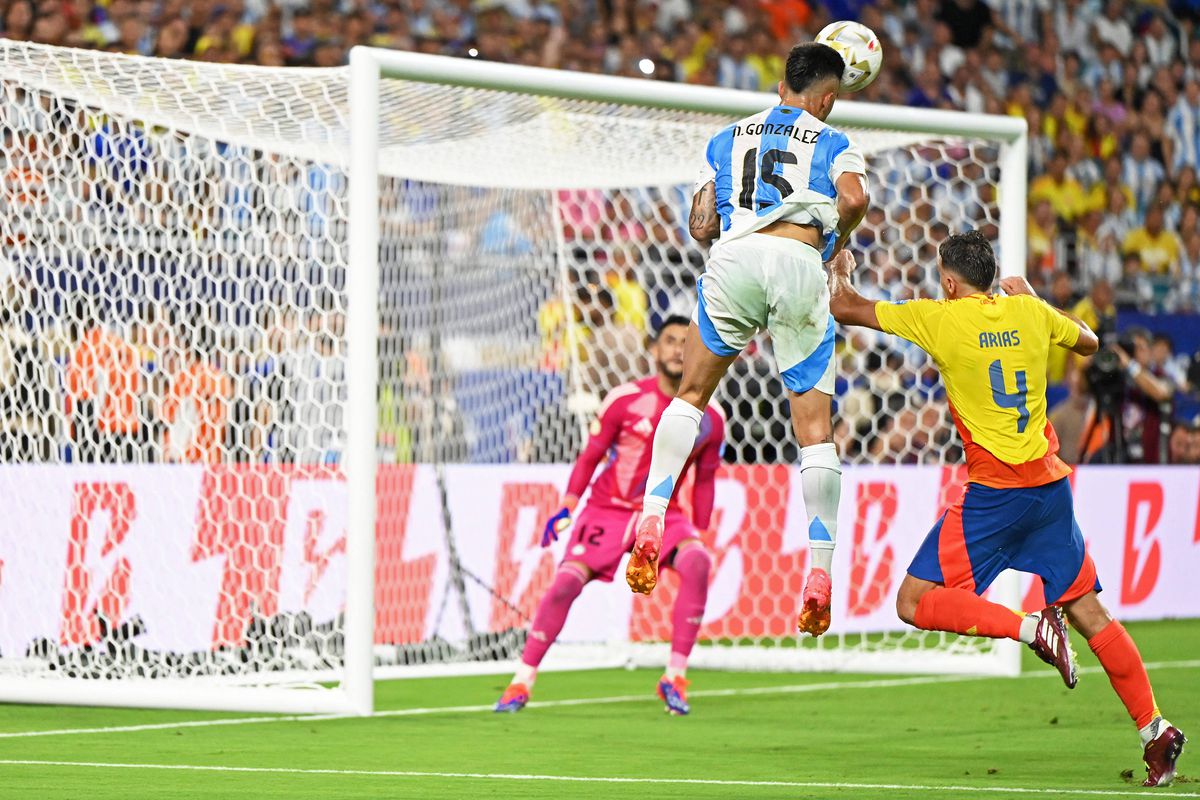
(1110, 90)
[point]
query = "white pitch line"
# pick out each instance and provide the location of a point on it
(579, 701)
(799, 688)
(164, 726)
(500, 776)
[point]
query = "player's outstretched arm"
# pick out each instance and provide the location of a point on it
(852, 203)
(704, 223)
(601, 437)
(845, 303)
(1087, 344)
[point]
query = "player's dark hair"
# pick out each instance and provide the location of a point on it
(970, 255)
(674, 319)
(811, 62)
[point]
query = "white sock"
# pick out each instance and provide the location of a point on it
(525, 674)
(821, 480)
(673, 442)
(677, 666)
(1029, 628)
(1151, 731)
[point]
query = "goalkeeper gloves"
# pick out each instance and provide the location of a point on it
(559, 522)
(556, 525)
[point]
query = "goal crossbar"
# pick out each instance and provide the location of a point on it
(479, 74)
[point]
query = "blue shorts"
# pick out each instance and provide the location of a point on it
(1028, 529)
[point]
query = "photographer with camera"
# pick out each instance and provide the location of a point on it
(1131, 412)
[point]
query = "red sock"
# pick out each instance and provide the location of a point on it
(551, 614)
(1121, 660)
(960, 611)
(693, 565)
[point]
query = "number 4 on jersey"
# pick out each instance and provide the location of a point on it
(1004, 399)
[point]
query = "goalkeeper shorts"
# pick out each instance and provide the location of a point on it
(761, 282)
(601, 536)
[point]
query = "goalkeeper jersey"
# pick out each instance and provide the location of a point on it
(782, 163)
(992, 353)
(623, 435)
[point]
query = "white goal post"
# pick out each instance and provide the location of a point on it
(271, 340)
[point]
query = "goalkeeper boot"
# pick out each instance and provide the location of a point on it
(1052, 645)
(673, 693)
(814, 604)
(1162, 752)
(514, 698)
(642, 572)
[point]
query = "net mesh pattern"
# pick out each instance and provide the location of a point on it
(173, 360)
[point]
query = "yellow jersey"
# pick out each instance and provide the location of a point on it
(992, 352)
(1067, 198)
(1159, 254)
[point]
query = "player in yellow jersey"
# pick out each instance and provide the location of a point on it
(1016, 511)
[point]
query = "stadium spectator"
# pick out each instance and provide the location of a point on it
(1183, 127)
(19, 19)
(197, 406)
(1098, 309)
(103, 385)
(613, 349)
(1185, 443)
(317, 432)
(1188, 295)
(1042, 237)
(1065, 194)
(29, 414)
(1147, 399)
(1134, 289)
(1142, 172)
(621, 279)
(249, 409)
(1155, 247)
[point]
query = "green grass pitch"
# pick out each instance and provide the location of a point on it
(848, 736)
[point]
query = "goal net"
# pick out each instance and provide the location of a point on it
(292, 362)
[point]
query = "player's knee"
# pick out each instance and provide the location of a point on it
(567, 585)
(695, 396)
(1087, 615)
(693, 563)
(908, 597)
(906, 605)
(812, 433)
(811, 420)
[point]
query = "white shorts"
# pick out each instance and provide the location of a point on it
(762, 282)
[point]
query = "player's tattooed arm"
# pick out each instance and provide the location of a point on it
(704, 223)
(845, 303)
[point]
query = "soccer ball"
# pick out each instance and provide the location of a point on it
(859, 47)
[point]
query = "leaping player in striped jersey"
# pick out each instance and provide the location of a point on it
(780, 191)
(603, 531)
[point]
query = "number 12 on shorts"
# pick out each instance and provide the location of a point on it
(1014, 400)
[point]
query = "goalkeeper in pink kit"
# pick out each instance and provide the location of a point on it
(604, 530)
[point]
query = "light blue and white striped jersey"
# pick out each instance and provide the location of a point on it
(782, 163)
(1183, 128)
